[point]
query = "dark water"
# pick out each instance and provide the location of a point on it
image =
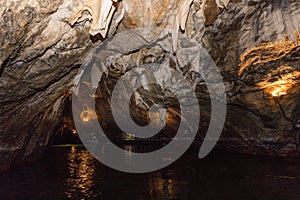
(72, 173)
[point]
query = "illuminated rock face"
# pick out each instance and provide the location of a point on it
(38, 57)
(40, 53)
(258, 53)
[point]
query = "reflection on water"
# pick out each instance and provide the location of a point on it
(161, 187)
(81, 174)
(72, 173)
(128, 154)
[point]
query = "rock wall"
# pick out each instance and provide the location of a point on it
(255, 44)
(39, 57)
(40, 54)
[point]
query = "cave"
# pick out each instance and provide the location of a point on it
(181, 99)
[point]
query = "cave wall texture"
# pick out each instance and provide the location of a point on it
(253, 42)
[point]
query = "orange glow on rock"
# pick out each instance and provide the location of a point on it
(267, 52)
(88, 115)
(278, 85)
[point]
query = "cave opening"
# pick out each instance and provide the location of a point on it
(131, 99)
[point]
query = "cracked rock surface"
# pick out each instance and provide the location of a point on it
(255, 45)
(40, 54)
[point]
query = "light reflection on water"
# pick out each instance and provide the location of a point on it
(128, 154)
(81, 173)
(162, 187)
(73, 173)
(81, 179)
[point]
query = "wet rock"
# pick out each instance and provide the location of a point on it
(40, 54)
(260, 37)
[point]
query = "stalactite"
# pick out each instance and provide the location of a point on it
(101, 12)
(222, 3)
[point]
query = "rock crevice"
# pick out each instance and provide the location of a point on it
(40, 54)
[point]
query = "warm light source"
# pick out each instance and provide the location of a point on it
(279, 88)
(278, 91)
(88, 114)
(267, 52)
(280, 81)
(129, 137)
(276, 82)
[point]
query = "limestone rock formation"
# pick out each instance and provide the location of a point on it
(101, 12)
(39, 57)
(253, 42)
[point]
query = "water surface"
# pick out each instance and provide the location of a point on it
(72, 173)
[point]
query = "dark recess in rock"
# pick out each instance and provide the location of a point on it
(40, 54)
